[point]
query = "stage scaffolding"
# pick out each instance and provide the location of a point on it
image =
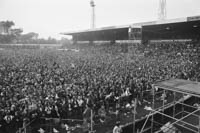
(180, 110)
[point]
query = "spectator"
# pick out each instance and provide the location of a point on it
(117, 128)
(65, 84)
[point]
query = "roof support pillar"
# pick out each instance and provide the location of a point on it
(91, 42)
(74, 39)
(74, 42)
(112, 42)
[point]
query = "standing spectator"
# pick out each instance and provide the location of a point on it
(117, 128)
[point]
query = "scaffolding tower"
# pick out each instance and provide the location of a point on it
(180, 110)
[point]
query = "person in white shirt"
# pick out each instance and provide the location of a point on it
(102, 114)
(117, 128)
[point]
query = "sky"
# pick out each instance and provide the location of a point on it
(51, 17)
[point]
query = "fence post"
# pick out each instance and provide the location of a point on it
(20, 130)
(24, 125)
(91, 124)
(50, 124)
(91, 121)
(134, 114)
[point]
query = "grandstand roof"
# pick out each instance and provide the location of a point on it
(95, 29)
(108, 33)
(177, 29)
(180, 85)
(169, 27)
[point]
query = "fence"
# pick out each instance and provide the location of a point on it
(122, 112)
(52, 125)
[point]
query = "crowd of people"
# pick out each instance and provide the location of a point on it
(63, 84)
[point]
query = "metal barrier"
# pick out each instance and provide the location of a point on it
(94, 123)
(52, 125)
(121, 110)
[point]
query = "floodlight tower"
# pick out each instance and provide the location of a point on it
(93, 14)
(162, 13)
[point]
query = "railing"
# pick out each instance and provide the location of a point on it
(94, 124)
(120, 110)
(52, 125)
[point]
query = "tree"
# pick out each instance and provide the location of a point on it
(65, 41)
(8, 34)
(51, 40)
(30, 37)
(7, 25)
(16, 34)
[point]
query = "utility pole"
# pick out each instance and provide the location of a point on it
(162, 12)
(93, 14)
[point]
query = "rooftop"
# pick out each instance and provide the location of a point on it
(180, 85)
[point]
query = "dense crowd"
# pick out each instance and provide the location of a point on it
(62, 84)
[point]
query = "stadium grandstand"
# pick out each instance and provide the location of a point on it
(148, 84)
(181, 28)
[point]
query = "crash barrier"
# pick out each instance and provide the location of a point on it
(93, 123)
(120, 110)
(52, 125)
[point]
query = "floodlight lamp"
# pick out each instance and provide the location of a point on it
(167, 28)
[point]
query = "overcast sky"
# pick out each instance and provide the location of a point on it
(50, 17)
